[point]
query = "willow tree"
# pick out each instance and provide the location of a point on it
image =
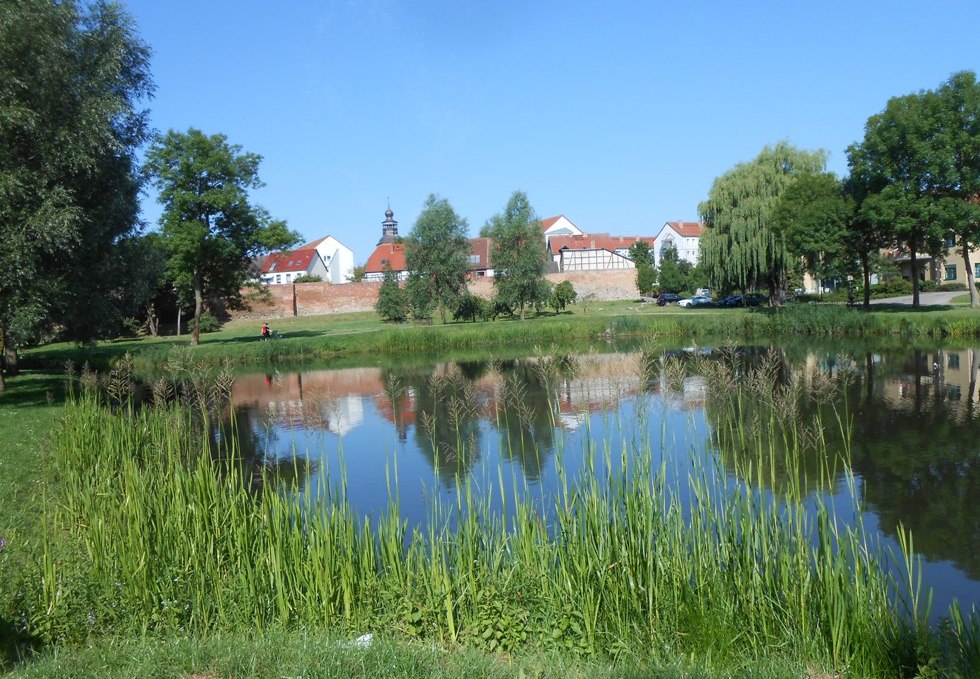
(739, 247)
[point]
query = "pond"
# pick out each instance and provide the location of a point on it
(528, 428)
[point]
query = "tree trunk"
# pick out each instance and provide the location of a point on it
(915, 274)
(3, 384)
(198, 303)
(971, 281)
(152, 322)
(866, 274)
(11, 361)
(971, 401)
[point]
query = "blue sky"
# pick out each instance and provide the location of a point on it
(617, 114)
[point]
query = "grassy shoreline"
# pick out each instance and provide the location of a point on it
(32, 406)
(326, 338)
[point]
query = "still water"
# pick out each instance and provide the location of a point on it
(504, 429)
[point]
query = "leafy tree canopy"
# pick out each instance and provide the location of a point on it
(72, 76)
(919, 165)
(211, 231)
(519, 255)
(436, 254)
(740, 248)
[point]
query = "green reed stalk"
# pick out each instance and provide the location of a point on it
(728, 566)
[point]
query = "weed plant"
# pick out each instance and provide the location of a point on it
(157, 533)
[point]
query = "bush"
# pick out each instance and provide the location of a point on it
(470, 308)
(307, 278)
(208, 323)
(562, 295)
(892, 288)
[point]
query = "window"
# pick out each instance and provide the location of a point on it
(278, 279)
(953, 361)
(950, 272)
(289, 277)
(950, 240)
(474, 259)
(976, 270)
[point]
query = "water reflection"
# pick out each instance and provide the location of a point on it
(911, 418)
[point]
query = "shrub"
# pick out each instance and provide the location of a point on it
(470, 308)
(307, 278)
(209, 323)
(562, 295)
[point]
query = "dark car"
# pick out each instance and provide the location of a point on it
(731, 300)
(666, 298)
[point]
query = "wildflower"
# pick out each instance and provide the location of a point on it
(3, 542)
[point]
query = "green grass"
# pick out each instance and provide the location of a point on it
(327, 338)
(29, 411)
(301, 654)
(161, 540)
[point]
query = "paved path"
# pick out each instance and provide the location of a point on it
(925, 298)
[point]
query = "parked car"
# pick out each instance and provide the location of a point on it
(666, 298)
(697, 300)
(752, 299)
(731, 300)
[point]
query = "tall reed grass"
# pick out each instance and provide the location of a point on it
(166, 538)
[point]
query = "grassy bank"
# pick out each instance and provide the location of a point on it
(325, 338)
(161, 539)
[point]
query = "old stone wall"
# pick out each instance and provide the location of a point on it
(311, 299)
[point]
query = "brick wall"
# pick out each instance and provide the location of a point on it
(312, 299)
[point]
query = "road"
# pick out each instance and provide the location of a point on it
(925, 298)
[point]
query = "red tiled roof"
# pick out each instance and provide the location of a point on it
(312, 244)
(549, 222)
(687, 229)
(481, 248)
(393, 253)
(289, 262)
(595, 241)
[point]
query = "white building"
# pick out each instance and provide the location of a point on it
(684, 236)
(337, 258)
(285, 267)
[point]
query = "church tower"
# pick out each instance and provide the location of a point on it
(389, 228)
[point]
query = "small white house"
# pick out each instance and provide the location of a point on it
(684, 236)
(337, 258)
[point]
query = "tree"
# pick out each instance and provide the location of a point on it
(674, 272)
(957, 183)
(436, 255)
(562, 295)
(898, 163)
(813, 216)
(357, 274)
(518, 254)
(739, 248)
(646, 270)
(392, 303)
(71, 79)
(210, 229)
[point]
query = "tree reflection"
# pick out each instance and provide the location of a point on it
(247, 435)
(917, 449)
(446, 414)
(774, 422)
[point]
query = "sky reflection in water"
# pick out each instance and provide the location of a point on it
(914, 415)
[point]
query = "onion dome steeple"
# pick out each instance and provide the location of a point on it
(389, 228)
